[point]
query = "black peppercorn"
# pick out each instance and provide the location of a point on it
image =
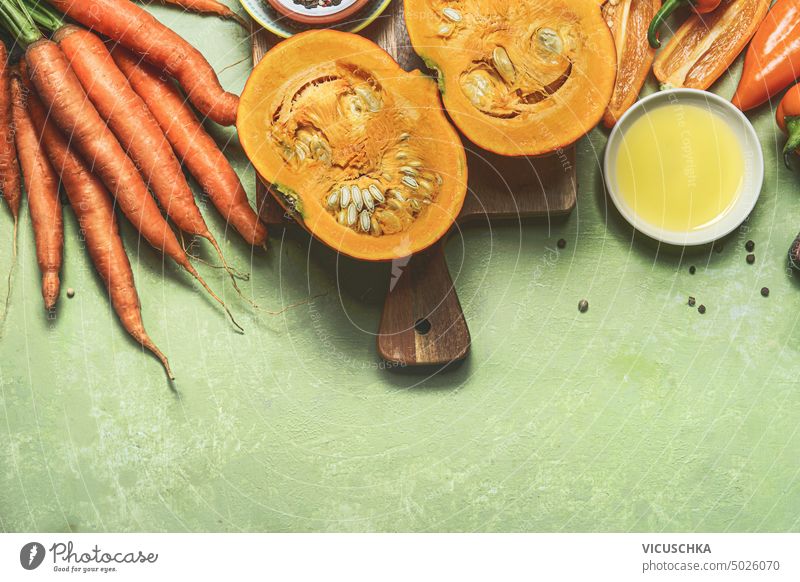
(765, 291)
(751, 258)
(692, 270)
(561, 243)
(692, 301)
(701, 309)
(583, 306)
(749, 246)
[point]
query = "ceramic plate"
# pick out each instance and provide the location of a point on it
(275, 22)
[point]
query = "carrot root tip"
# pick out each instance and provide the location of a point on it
(51, 286)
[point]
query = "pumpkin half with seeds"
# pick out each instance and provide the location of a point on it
(357, 149)
(518, 77)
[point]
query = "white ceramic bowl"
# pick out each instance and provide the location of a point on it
(753, 160)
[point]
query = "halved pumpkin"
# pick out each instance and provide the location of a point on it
(356, 148)
(518, 77)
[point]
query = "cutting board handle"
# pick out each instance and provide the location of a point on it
(422, 322)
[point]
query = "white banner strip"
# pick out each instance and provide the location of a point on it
(400, 557)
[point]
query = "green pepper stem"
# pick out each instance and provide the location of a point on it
(793, 143)
(661, 16)
(17, 21)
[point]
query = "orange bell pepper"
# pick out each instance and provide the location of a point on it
(628, 21)
(788, 118)
(773, 59)
(670, 6)
(703, 48)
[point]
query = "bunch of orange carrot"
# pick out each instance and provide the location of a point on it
(129, 139)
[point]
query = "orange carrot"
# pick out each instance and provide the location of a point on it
(136, 129)
(63, 95)
(195, 148)
(135, 28)
(41, 186)
(92, 205)
(207, 7)
(9, 167)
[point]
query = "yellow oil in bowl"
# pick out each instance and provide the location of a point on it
(680, 167)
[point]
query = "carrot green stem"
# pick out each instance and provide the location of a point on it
(17, 21)
(44, 15)
(661, 16)
(793, 143)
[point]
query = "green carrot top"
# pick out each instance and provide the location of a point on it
(16, 19)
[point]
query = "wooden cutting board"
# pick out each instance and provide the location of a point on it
(422, 322)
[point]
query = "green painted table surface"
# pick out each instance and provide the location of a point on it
(641, 414)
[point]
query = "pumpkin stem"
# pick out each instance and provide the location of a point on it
(661, 16)
(793, 143)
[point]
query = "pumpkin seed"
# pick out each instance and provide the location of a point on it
(445, 30)
(321, 151)
(415, 205)
(398, 196)
(479, 87)
(376, 228)
(394, 205)
(365, 221)
(503, 64)
(373, 102)
(405, 136)
(550, 40)
(341, 217)
(299, 151)
(333, 199)
(368, 201)
(376, 193)
(408, 171)
(356, 107)
(386, 176)
(425, 185)
(414, 163)
(355, 193)
(452, 14)
(438, 179)
(401, 155)
(390, 223)
(352, 214)
(410, 182)
(344, 198)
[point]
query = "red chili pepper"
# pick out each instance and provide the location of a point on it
(773, 59)
(670, 6)
(788, 118)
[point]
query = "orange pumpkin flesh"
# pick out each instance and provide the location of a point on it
(518, 77)
(327, 111)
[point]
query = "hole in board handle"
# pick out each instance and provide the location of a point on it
(422, 326)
